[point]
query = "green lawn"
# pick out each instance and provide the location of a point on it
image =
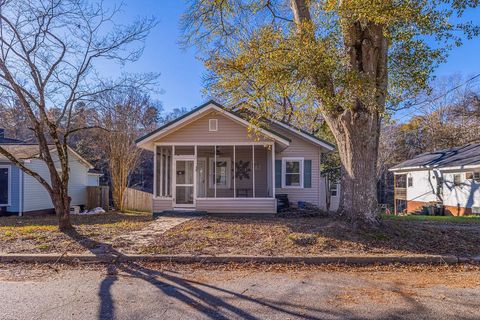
(453, 219)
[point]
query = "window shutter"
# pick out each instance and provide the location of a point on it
(278, 173)
(307, 174)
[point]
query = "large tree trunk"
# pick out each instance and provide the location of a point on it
(356, 126)
(357, 136)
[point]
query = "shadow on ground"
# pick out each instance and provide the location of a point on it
(208, 301)
(269, 235)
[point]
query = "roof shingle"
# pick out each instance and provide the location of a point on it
(467, 155)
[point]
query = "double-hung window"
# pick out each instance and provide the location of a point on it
(292, 173)
(4, 185)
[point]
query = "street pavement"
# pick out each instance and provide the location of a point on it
(146, 292)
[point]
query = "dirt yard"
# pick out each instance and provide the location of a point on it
(241, 235)
(214, 235)
(39, 234)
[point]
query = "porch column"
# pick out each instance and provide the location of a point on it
(273, 170)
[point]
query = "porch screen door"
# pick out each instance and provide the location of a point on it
(184, 183)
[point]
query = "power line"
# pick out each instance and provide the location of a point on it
(420, 104)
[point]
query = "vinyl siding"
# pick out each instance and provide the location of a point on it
(229, 131)
(466, 195)
(160, 205)
(303, 149)
(237, 205)
(197, 131)
(35, 195)
(423, 188)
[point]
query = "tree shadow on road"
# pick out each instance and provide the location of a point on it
(209, 300)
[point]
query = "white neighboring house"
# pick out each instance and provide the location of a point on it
(21, 194)
(448, 177)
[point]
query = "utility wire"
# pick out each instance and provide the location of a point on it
(420, 104)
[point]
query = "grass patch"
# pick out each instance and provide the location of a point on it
(302, 239)
(40, 233)
(445, 219)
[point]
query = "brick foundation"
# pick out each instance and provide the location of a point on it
(413, 206)
(457, 211)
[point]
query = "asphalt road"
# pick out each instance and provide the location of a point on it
(140, 292)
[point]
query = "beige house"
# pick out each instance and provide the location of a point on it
(211, 159)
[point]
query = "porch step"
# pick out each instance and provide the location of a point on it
(179, 213)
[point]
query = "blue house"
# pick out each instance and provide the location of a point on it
(21, 194)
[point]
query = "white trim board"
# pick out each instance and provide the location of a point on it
(185, 121)
(301, 160)
(454, 168)
(304, 135)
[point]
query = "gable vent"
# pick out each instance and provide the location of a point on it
(212, 124)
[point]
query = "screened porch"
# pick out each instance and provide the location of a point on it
(188, 175)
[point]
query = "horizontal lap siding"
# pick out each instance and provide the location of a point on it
(78, 182)
(303, 149)
(36, 196)
(237, 205)
(160, 205)
(197, 132)
(467, 195)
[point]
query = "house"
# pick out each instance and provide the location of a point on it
(450, 178)
(21, 194)
(212, 159)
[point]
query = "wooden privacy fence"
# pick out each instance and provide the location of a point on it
(136, 200)
(98, 197)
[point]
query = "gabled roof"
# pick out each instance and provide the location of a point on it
(304, 134)
(458, 157)
(210, 105)
(25, 151)
(20, 151)
(4, 140)
(239, 117)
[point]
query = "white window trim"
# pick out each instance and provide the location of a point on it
(9, 195)
(284, 169)
(213, 173)
(212, 125)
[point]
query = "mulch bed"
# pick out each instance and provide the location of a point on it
(260, 235)
(40, 234)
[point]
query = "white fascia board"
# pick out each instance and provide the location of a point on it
(179, 124)
(304, 136)
(427, 168)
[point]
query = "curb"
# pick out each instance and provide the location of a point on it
(186, 259)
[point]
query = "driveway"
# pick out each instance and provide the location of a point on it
(184, 292)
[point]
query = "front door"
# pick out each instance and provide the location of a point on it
(184, 183)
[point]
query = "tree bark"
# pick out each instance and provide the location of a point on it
(356, 126)
(62, 211)
(357, 136)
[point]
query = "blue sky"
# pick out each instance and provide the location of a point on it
(181, 72)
